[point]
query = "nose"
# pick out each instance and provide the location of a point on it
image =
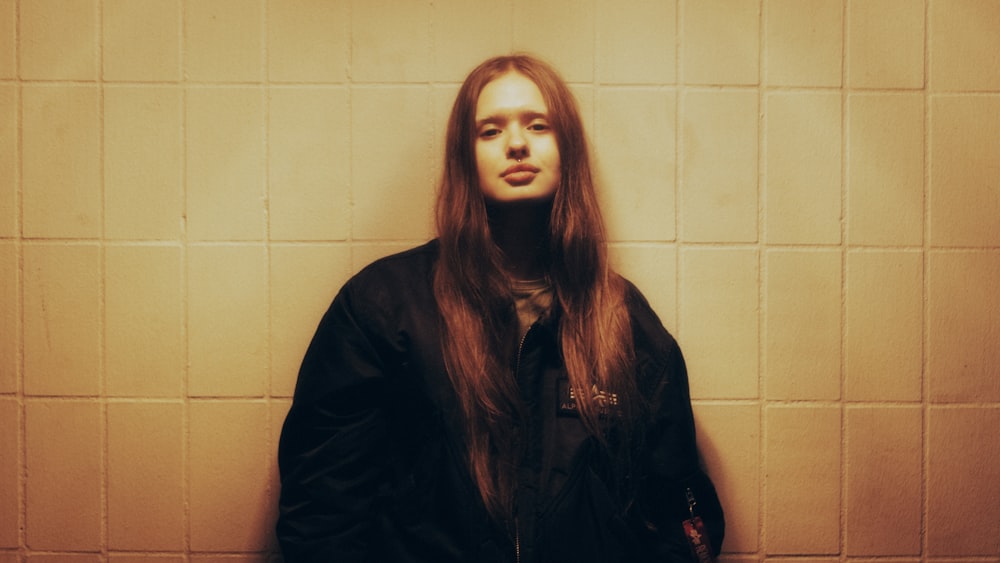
(517, 146)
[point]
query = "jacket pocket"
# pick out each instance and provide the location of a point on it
(584, 524)
(682, 499)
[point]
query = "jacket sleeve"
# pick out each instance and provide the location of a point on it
(670, 465)
(332, 451)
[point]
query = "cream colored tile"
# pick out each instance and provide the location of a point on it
(58, 40)
(962, 346)
(720, 41)
(225, 164)
(9, 157)
(635, 154)
(144, 321)
(10, 472)
(308, 165)
(144, 558)
(229, 449)
(442, 99)
(802, 179)
(585, 95)
(962, 45)
(653, 269)
(63, 468)
(884, 470)
(61, 319)
(802, 461)
(8, 39)
(304, 280)
(963, 482)
(10, 317)
(803, 342)
(278, 410)
(377, 52)
(963, 187)
(885, 169)
(307, 40)
(884, 353)
(885, 46)
(803, 42)
(729, 442)
(718, 326)
(61, 161)
(862, 559)
(561, 32)
(227, 320)
(394, 198)
(464, 34)
(142, 40)
(146, 476)
(63, 558)
(143, 162)
(637, 42)
(222, 40)
(719, 131)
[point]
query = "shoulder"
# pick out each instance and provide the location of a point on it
(405, 264)
(383, 289)
(399, 276)
(645, 322)
(655, 347)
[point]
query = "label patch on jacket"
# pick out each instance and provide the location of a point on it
(566, 396)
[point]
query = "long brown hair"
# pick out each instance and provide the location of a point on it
(475, 299)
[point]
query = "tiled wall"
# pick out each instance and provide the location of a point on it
(807, 190)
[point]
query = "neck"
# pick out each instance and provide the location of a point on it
(520, 232)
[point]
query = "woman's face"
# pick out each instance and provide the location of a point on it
(517, 156)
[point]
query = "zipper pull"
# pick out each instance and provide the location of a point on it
(691, 501)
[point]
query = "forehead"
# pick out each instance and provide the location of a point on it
(509, 93)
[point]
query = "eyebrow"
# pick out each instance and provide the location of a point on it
(528, 115)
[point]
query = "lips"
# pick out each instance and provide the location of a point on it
(520, 174)
(519, 168)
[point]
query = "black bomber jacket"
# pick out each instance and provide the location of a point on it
(373, 465)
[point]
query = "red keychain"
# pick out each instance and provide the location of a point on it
(696, 534)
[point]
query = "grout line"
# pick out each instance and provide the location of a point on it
(266, 134)
(20, 284)
(925, 292)
(102, 309)
(185, 282)
(842, 536)
(351, 85)
(762, 271)
(678, 244)
(269, 422)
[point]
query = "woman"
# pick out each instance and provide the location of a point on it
(498, 394)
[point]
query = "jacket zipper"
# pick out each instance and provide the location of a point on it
(517, 542)
(520, 348)
(517, 371)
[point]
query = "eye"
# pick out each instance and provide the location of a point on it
(539, 126)
(489, 132)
